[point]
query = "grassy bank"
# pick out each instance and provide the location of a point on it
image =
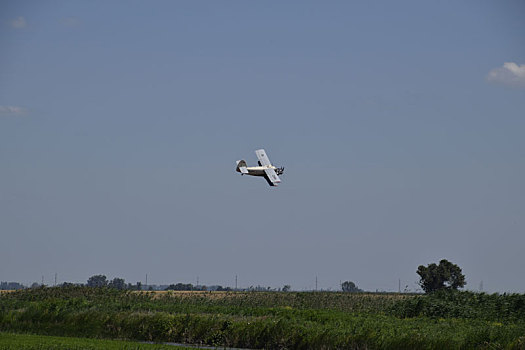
(10, 341)
(272, 320)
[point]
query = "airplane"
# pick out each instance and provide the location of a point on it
(265, 168)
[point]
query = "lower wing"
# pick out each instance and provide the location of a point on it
(271, 176)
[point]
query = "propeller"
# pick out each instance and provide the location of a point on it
(280, 170)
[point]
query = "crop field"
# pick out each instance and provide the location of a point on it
(272, 320)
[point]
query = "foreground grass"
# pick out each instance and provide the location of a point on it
(39, 342)
(272, 320)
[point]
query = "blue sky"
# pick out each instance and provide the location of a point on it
(400, 126)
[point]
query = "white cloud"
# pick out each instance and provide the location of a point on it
(12, 110)
(510, 74)
(19, 22)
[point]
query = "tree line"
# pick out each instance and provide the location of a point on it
(433, 277)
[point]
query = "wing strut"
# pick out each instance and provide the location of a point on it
(263, 158)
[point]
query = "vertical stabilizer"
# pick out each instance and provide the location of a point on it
(241, 167)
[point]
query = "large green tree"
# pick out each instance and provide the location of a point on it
(446, 275)
(349, 286)
(117, 283)
(97, 281)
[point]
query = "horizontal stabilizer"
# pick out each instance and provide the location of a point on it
(241, 167)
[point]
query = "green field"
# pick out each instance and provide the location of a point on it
(272, 320)
(10, 341)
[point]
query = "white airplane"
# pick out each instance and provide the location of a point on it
(265, 168)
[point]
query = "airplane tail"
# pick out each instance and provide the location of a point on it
(241, 167)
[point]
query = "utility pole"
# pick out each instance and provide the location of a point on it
(316, 283)
(42, 280)
(55, 279)
(399, 286)
(235, 282)
(146, 281)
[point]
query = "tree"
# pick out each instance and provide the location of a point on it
(11, 286)
(446, 275)
(97, 281)
(117, 283)
(286, 288)
(350, 286)
(181, 286)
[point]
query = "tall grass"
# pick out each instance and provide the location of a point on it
(467, 305)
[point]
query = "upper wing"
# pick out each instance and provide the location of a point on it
(271, 177)
(263, 158)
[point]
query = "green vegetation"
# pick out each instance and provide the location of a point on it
(446, 275)
(350, 287)
(465, 305)
(272, 320)
(9, 341)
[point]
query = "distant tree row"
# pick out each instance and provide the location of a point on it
(11, 286)
(433, 277)
(185, 286)
(101, 281)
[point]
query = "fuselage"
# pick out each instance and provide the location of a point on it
(258, 170)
